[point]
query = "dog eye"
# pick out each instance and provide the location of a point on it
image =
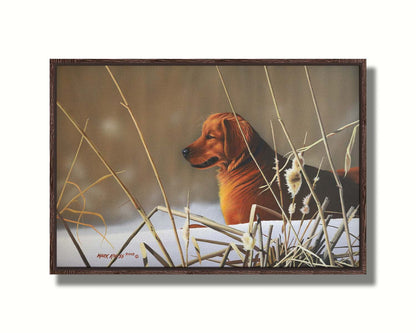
(208, 137)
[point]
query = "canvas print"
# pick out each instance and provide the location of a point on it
(200, 166)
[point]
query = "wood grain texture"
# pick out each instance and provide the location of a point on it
(52, 148)
(54, 63)
(363, 165)
(202, 62)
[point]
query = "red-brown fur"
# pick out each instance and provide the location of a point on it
(240, 181)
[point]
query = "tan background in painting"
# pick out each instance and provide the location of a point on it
(170, 103)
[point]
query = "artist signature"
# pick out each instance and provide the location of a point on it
(120, 256)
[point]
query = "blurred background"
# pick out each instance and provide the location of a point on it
(170, 104)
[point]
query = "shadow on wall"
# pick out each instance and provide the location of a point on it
(170, 103)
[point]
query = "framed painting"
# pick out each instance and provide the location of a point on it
(208, 166)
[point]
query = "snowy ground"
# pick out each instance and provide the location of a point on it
(99, 253)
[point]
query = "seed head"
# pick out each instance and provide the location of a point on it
(276, 167)
(295, 164)
(306, 199)
(292, 208)
(248, 241)
(293, 181)
(304, 210)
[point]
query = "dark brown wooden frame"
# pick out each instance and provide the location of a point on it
(361, 63)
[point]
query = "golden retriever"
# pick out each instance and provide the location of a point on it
(241, 184)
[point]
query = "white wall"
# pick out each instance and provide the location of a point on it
(34, 31)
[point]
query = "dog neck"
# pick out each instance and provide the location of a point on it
(244, 162)
(263, 154)
(246, 157)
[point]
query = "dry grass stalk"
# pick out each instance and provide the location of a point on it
(86, 189)
(312, 232)
(71, 167)
(74, 241)
(186, 229)
(347, 164)
(136, 204)
(207, 256)
(237, 250)
(284, 260)
(334, 173)
(90, 226)
(313, 217)
(345, 255)
(144, 255)
(315, 256)
(278, 180)
(282, 124)
(303, 149)
(345, 246)
(135, 232)
(268, 184)
(318, 239)
(84, 203)
(249, 243)
(248, 259)
(272, 255)
(239, 263)
(267, 249)
(197, 250)
(255, 261)
(260, 232)
(225, 257)
(255, 209)
(225, 230)
(228, 263)
(227, 234)
(295, 257)
(203, 220)
(149, 156)
(277, 249)
(254, 230)
(84, 212)
(211, 241)
(293, 179)
(156, 255)
(68, 182)
(305, 202)
(283, 215)
(245, 140)
(350, 215)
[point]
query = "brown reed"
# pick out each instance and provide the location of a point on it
(136, 203)
(149, 156)
(331, 163)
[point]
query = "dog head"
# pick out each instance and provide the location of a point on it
(221, 143)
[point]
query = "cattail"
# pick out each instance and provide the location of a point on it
(292, 208)
(276, 167)
(294, 177)
(248, 241)
(295, 163)
(305, 208)
(293, 181)
(306, 199)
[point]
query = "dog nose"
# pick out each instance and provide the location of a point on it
(185, 152)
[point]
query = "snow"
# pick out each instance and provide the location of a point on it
(99, 253)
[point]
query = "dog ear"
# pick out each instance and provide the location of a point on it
(234, 144)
